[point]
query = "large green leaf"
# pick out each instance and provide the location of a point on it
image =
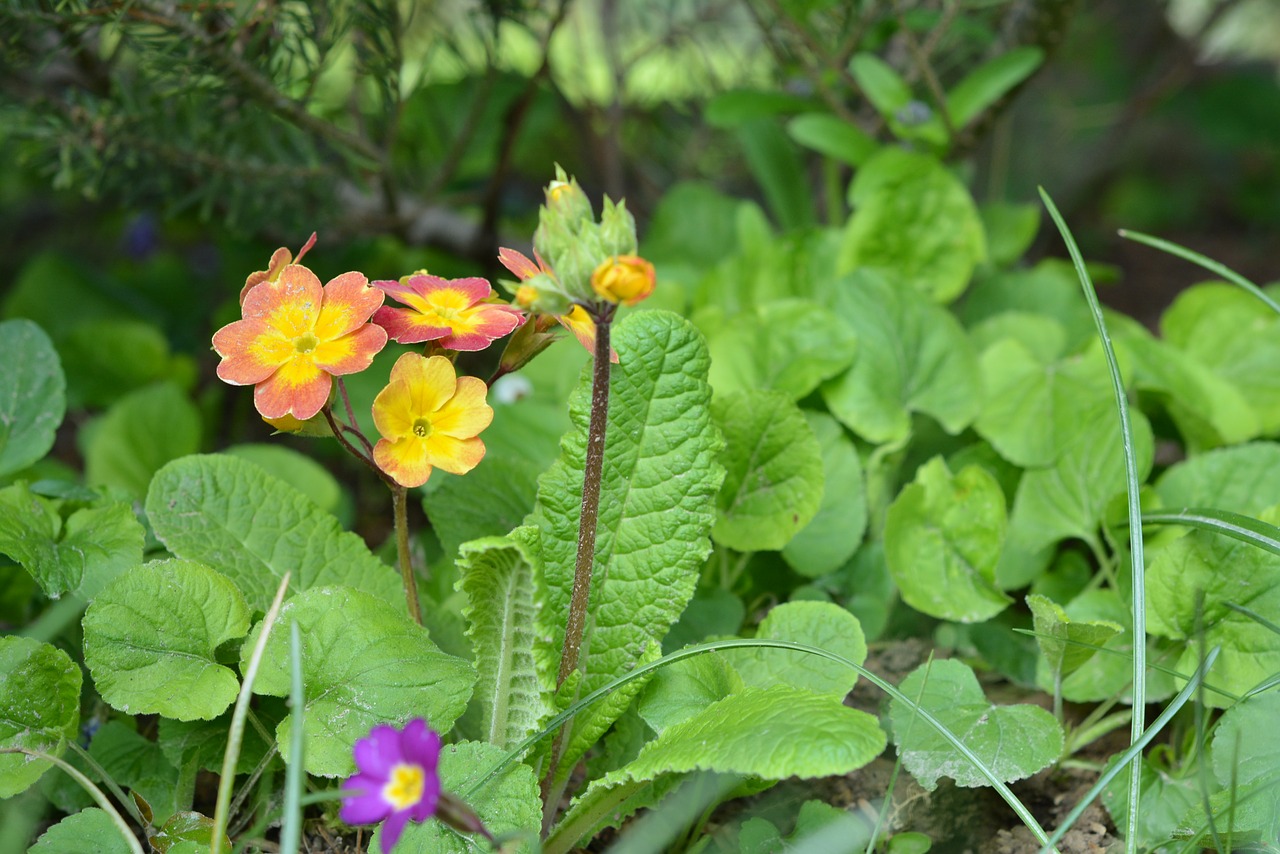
(912, 357)
(80, 552)
(789, 345)
(1246, 743)
(39, 708)
(507, 804)
(657, 506)
(150, 640)
(1013, 742)
(942, 538)
(137, 764)
(90, 831)
(1193, 583)
(827, 542)
(769, 733)
(498, 576)
(490, 501)
(298, 470)
(819, 624)
(32, 395)
(1244, 479)
(230, 514)
(140, 433)
(916, 219)
(363, 663)
(683, 688)
(1164, 798)
(107, 357)
(1050, 289)
(773, 471)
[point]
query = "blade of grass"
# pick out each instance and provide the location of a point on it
(235, 735)
(1134, 751)
(1135, 522)
(1208, 263)
(1234, 525)
(291, 831)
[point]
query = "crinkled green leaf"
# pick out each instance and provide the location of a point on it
(296, 469)
(789, 345)
(1244, 479)
(502, 612)
(1246, 742)
(137, 764)
(507, 804)
(657, 505)
(79, 553)
(942, 539)
(490, 501)
(912, 357)
(914, 218)
(140, 433)
(1013, 742)
(39, 708)
(819, 624)
(229, 513)
(150, 640)
(32, 394)
(769, 733)
(827, 542)
(683, 688)
(363, 663)
(1067, 644)
(1192, 584)
(773, 471)
(90, 831)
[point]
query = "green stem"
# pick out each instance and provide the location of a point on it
(400, 501)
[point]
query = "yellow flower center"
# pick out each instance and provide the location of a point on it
(404, 789)
(306, 342)
(421, 428)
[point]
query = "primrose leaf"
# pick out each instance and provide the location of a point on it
(1062, 639)
(363, 664)
(1164, 798)
(1193, 584)
(203, 743)
(657, 506)
(33, 395)
(140, 433)
(942, 540)
(230, 514)
(683, 688)
(136, 763)
(490, 501)
(819, 624)
(79, 554)
(912, 357)
(773, 471)
(296, 469)
(1010, 230)
(1244, 479)
(507, 804)
(827, 542)
(498, 578)
(1049, 289)
(1013, 742)
(150, 640)
(1246, 743)
(90, 830)
(39, 708)
(914, 218)
(790, 346)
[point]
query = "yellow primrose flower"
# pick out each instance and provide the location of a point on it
(429, 417)
(623, 278)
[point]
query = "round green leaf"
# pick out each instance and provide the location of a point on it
(32, 394)
(39, 708)
(150, 640)
(942, 539)
(140, 433)
(90, 831)
(298, 470)
(827, 542)
(819, 624)
(363, 663)
(773, 471)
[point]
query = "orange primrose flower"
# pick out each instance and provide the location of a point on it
(623, 278)
(280, 259)
(576, 321)
(451, 312)
(429, 417)
(296, 336)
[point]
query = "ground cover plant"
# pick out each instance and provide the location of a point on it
(658, 536)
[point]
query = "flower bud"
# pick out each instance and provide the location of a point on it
(624, 278)
(617, 229)
(567, 202)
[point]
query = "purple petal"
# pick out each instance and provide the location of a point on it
(392, 829)
(421, 746)
(426, 805)
(368, 806)
(376, 754)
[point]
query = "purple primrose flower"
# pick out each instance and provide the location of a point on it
(395, 779)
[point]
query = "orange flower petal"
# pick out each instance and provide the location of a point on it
(298, 388)
(456, 456)
(404, 460)
(466, 413)
(517, 263)
(292, 305)
(583, 328)
(352, 353)
(409, 326)
(250, 351)
(348, 302)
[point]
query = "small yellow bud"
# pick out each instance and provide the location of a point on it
(624, 278)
